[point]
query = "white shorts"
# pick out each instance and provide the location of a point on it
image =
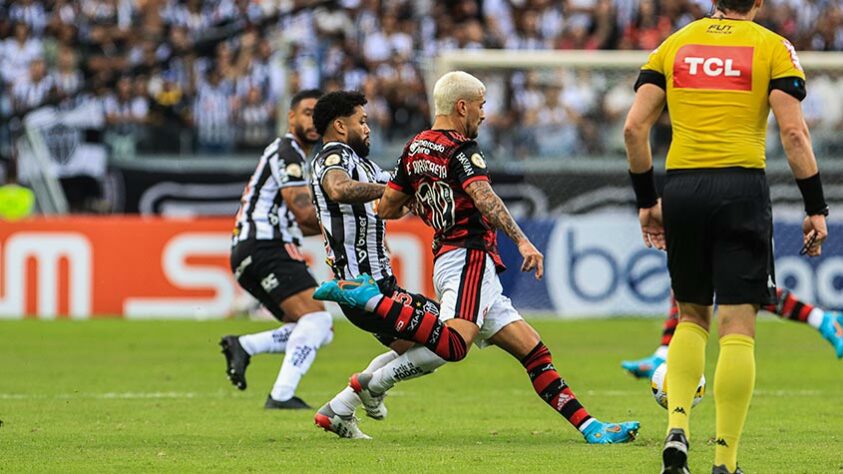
(467, 287)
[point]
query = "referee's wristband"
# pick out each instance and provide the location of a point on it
(812, 195)
(644, 185)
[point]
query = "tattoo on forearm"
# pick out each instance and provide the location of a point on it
(354, 192)
(348, 191)
(493, 209)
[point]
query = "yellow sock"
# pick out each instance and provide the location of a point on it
(734, 380)
(686, 362)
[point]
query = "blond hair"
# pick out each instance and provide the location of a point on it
(454, 86)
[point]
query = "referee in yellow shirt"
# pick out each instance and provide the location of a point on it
(719, 76)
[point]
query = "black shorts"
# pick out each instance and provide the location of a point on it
(719, 230)
(266, 270)
(374, 324)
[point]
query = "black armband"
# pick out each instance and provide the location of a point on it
(648, 76)
(644, 185)
(795, 86)
(812, 195)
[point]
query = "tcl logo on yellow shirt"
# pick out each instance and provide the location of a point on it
(697, 66)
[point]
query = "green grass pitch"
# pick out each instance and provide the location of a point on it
(118, 396)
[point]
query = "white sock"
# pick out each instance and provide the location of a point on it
(414, 363)
(311, 331)
(273, 341)
(815, 318)
(345, 402)
(586, 424)
(661, 352)
(380, 361)
(373, 303)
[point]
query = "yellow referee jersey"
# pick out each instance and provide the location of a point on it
(717, 74)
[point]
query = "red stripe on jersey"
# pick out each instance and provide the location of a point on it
(395, 186)
(473, 179)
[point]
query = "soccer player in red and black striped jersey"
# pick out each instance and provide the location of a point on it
(828, 323)
(443, 172)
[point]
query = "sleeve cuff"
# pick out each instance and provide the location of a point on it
(473, 179)
(397, 187)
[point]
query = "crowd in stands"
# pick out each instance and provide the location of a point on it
(211, 76)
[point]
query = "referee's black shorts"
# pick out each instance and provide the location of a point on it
(719, 230)
(374, 324)
(268, 272)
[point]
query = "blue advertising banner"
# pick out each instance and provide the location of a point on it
(597, 265)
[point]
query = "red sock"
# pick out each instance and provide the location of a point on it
(550, 386)
(418, 325)
(671, 322)
(788, 307)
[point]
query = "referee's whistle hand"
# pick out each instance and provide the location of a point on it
(652, 228)
(815, 232)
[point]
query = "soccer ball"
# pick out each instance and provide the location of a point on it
(658, 384)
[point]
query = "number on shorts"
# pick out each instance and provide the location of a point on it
(439, 198)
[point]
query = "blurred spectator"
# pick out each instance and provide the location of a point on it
(256, 121)
(213, 111)
(125, 113)
(179, 76)
(34, 89)
(18, 51)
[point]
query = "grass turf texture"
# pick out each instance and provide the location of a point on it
(111, 396)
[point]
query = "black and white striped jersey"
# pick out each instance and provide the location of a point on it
(263, 215)
(354, 234)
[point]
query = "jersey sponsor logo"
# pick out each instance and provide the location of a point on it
(719, 29)
(478, 160)
(424, 146)
(427, 167)
(332, 160)
(466, 164)
(793, 57)
(699, 66)
(294, 170)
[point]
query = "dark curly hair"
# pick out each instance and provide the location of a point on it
(305, 94)
(333, 105)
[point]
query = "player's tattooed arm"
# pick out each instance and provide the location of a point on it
(300, 203)
(339, 187)
(392, 204)
(494, 210)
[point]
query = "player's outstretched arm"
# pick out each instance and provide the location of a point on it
(796, 141)
(339, 187)
(300, 203)
(493, 209)
(391, 205)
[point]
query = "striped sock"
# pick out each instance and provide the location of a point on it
(670, 323)
(789, 307)
(425, 328)
(551, 388)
